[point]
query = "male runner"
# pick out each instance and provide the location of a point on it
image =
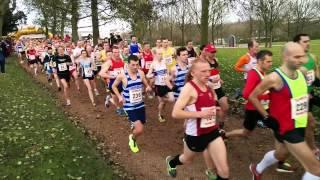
(132, 80)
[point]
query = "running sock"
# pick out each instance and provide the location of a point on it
(221, 178)
(175, 161)
(267, 161)
(309, 176)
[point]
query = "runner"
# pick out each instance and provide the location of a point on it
(92, 56)
(110, 70)
(168, 54)
(134, 46)
(61, 63)
(87, 65)
(158, 70)
(197, 104)
(20, 49)
(288, 112)
(309, 69)
(47, 61)
(158, 46)
(192, 54)
(31, 56)
(248, 61)
(73, 69)
(125, 54)
(132, 81)
(177, 74)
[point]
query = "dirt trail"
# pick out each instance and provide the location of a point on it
(162, 139)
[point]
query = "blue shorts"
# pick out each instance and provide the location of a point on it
(137, 114)
(110, 86)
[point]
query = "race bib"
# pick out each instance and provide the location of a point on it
(265, 104)
(72, 67)
(299, 106)
(168, 60)
(32, 57)
(215, 81)
(20, 49)
(62, 67)
(88, 72)
(162, 79)
(208, 122)
(117, 71)
(310, 77)
(135, 95)
(148, 64)
(190, 60)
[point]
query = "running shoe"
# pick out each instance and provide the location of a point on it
(107, 101)
(96, 92)
(161, 118)
(211, 175)
(68, 102)
(285, 168)
(132, 144)
(260, 124)
(171, 171)
(121, 112)
(253, 170)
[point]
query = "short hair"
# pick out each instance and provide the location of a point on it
(133, 58)
(133, 36)
(145, 43)
(180, 49)
(189, 40)
(49, 48)
(251, 43)
(202, 47)
(262, 54)
(297, 37)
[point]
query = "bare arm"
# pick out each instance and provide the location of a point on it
(170, 77)
(115, 84)
(269, 82)
(105, 69)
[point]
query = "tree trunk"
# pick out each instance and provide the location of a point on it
(54, 23)
(183, 22)
(74, 20)
(4, 6)
(63, 20)
(204, 21)
(288, 28)
(95, 21)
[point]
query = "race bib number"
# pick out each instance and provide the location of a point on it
(208, 122)
(299, 106)
(62, 67)
(168, 60)
(162, 79)
(32, 57)
(148, 64)
(135, 95)
(310, 77)
(88, 72)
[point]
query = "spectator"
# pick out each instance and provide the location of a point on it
(2, 57)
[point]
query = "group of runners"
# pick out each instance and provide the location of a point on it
(281, 100)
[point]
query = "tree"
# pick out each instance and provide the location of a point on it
(204, 21)
(271, 13)
(11, 20)
(95, 21)
(4, 7)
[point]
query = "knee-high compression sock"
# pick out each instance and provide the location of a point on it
(175, 161)
(267, 161)
(309, 176)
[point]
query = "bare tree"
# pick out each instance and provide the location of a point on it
(303, 12)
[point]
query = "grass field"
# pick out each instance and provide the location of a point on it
(37, 141)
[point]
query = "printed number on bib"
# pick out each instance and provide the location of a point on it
(299, 106)
(87, 72)
(135, 95)
(168, 60)
(162, 79)
(148, 64)
(62, 67)
(208, 122)
(117, 71)
(310, 77)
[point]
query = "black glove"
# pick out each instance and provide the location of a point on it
(271, 123)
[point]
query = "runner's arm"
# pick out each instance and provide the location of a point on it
(115, 84)
(170, 77)
(251, 83)
(243, 60)
(144, 80)
(267, 83)
(105, 69)
(149, 74)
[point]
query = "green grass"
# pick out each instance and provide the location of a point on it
(37, 141)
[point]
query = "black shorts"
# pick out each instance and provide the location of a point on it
(120, 89)
(220, 93)
(90, 78)
(137, 115)
(34, 61)
(161, 91)
(294, 136)
(200, 143)
(65, 76)
(251, 118)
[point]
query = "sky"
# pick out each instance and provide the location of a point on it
(114, 26)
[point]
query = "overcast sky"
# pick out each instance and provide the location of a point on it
(105, 30)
